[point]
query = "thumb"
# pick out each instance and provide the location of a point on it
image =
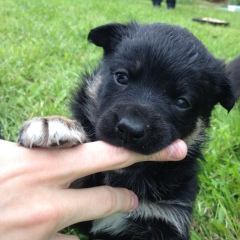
(174, 152)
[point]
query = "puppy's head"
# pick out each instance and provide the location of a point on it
(158, 83)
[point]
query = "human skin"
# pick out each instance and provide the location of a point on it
(35, 201)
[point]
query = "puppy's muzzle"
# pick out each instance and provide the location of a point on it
(136, 127)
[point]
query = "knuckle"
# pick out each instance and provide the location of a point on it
(43, 214)
(110, 200)
(116, 200)
(122, 156)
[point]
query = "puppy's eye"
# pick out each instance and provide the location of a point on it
(182, 103)
(121, 78)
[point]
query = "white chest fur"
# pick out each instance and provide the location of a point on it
(168, 211)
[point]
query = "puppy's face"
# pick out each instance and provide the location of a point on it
(158, 84)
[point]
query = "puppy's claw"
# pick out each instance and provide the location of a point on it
(51, 132)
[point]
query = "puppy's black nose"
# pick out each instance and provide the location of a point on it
(129, 130)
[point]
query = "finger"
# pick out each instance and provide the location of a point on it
(174, 152)
(99, 156)
(61, 166)
(67, 165)
(93, 203)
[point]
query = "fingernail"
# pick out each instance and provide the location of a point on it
(134, 202)
(178, 150)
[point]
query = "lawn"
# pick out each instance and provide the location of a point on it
(44, 49)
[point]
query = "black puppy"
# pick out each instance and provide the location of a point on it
(156, 83)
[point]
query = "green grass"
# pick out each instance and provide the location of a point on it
(44, 48)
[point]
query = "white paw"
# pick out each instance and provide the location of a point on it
(51, 132)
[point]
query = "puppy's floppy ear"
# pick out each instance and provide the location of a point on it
(107, 36)
(226, 96)
(219, 85)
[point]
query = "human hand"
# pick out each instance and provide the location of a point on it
(35, 200)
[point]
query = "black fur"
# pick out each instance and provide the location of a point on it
(233, 69)
(156, 83)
